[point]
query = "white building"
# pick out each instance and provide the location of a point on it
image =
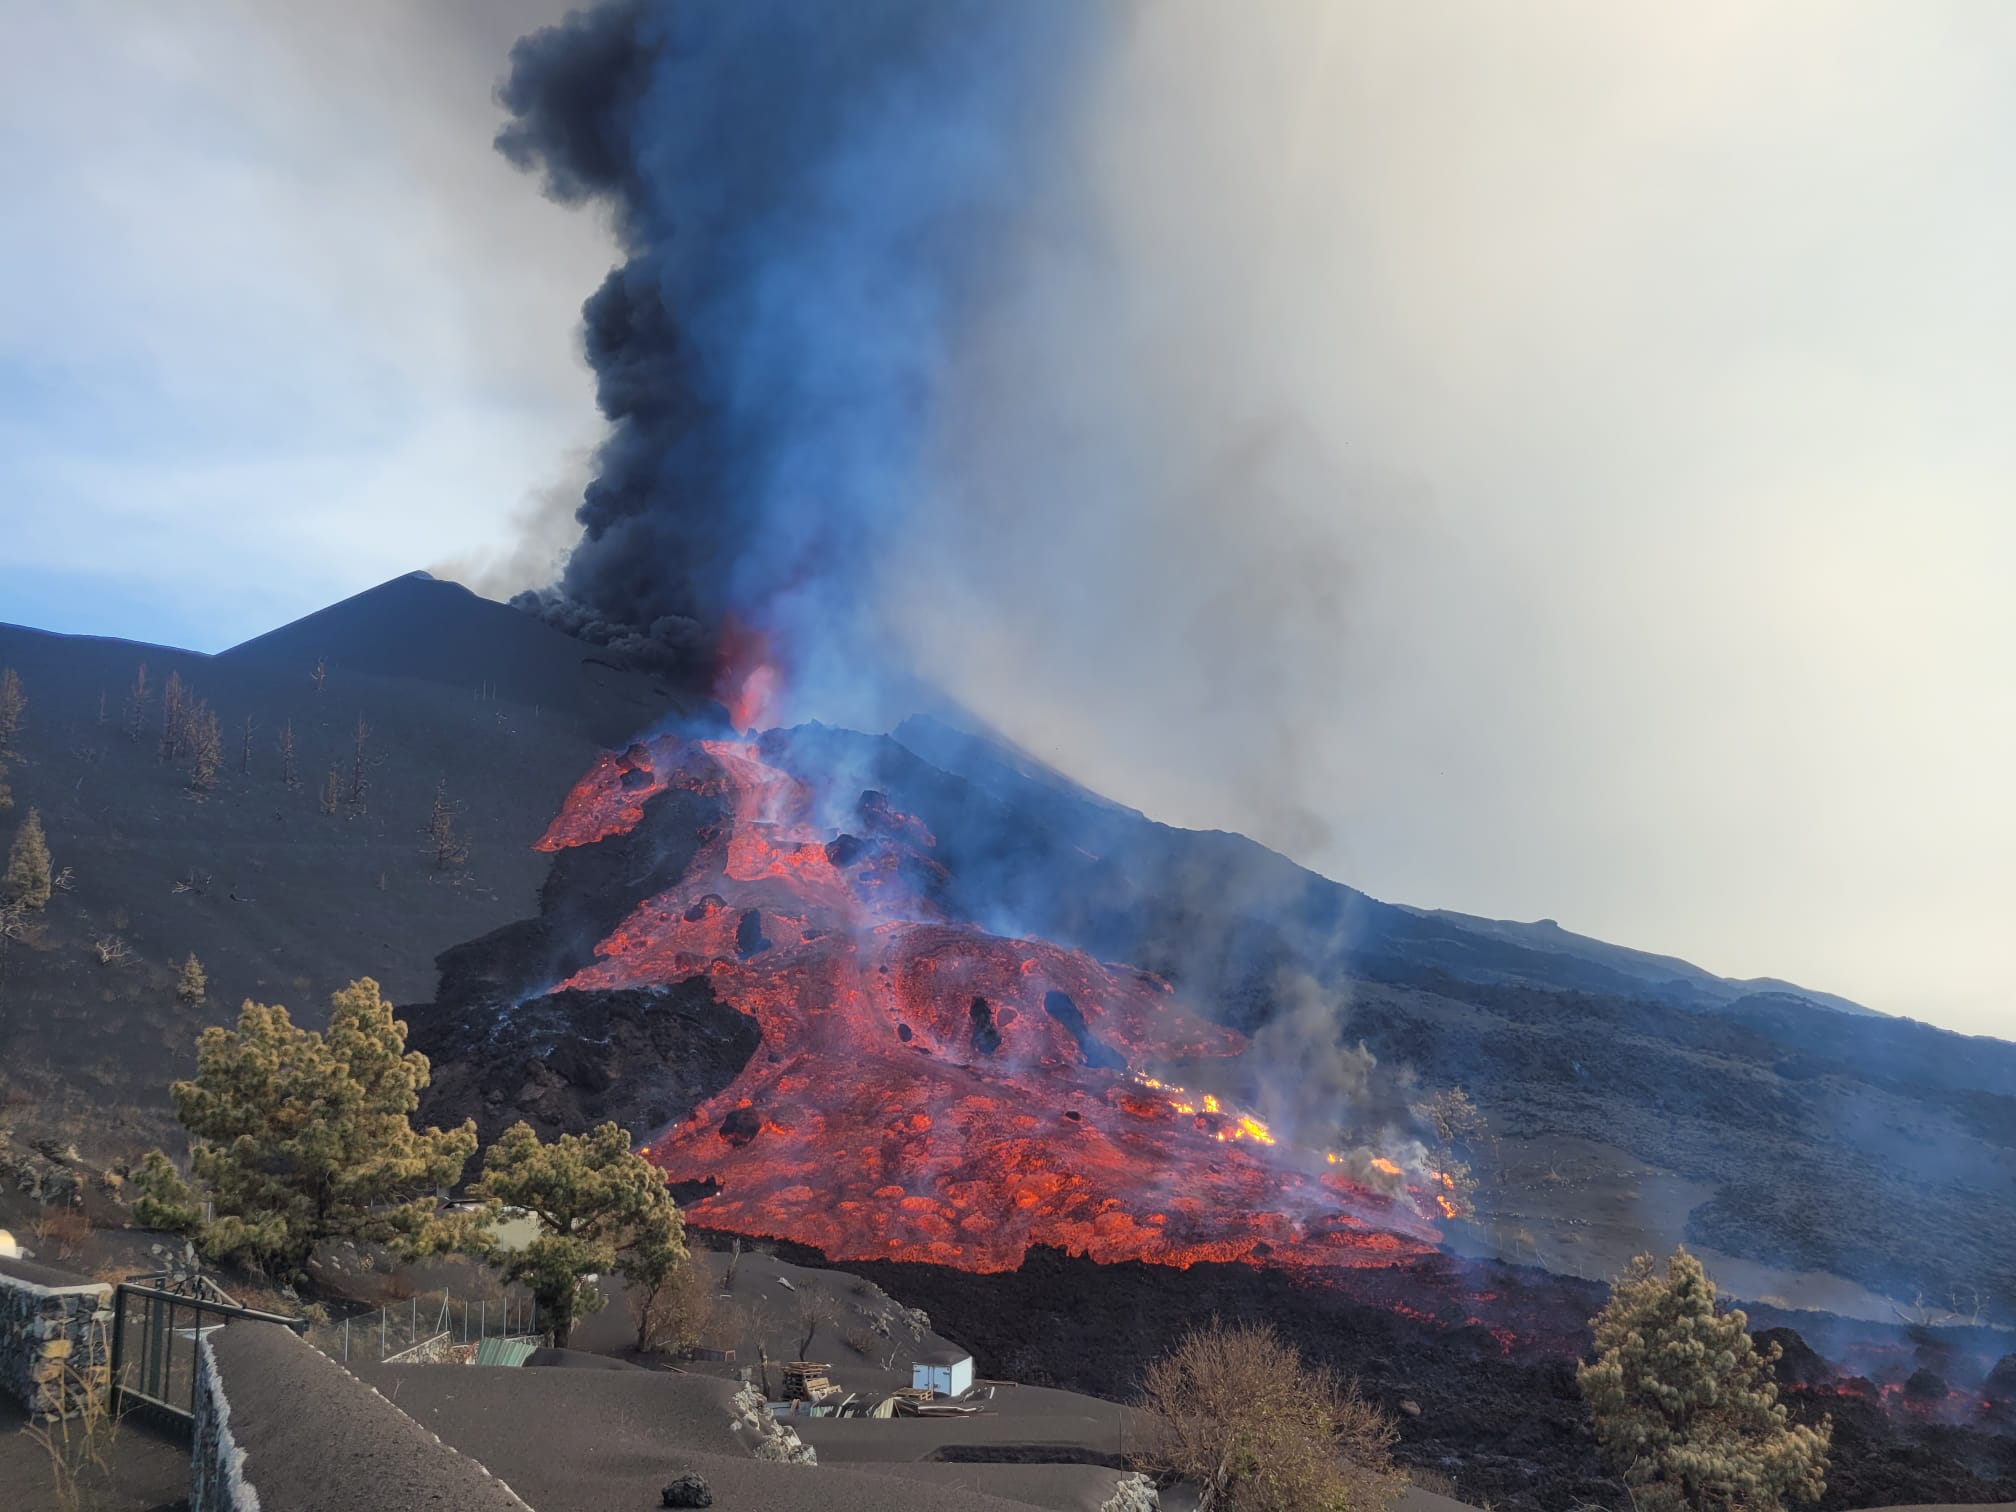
(943, 1372)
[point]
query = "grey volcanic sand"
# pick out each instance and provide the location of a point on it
(315, 1440)
(591, 1441)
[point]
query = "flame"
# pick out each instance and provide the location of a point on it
(880, 1122)
(1384, 1166)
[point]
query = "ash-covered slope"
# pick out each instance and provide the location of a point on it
(1875, 1147)
(280, 899)
(1252, 879)
(419, 628)
(1872, 1148)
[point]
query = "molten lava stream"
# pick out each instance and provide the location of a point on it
(927, 1091)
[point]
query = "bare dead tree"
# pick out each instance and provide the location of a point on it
(245, 749)
(206, 747)
(173, 718)
(331, 791)
(815, 1311)
(445, 841)
(289, 773)
(321, 673)
(358, 785)
(12, 703)
(137, 699)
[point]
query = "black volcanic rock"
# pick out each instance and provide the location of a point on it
(1798, 1365)
(569, 1060)
(2001, 1382)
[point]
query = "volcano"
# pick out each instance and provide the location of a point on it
(928, 1090)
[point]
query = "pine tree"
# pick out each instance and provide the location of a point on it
(206, 747)
(303, 1137)
(245, 750)
(444, 840)
(27, 880)
(138, 697)
(193, 983)
(331, 791)
(6, 792)
(289, 774)
(600, 1207)
(13, 702)
(1686, 1408)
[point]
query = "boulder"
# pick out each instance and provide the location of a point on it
(687, 1490)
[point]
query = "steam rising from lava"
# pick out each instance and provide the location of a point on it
(927, 1090)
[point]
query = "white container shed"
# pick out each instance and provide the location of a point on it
(943, 1372)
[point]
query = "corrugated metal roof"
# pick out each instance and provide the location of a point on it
(505, 1351)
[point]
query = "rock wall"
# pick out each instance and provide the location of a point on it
(279, 1425)
(216, 1462)
(55, 1338)
(771, 1439)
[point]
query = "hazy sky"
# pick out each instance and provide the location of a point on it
(1552, 460)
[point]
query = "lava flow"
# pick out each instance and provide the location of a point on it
(925, 1090)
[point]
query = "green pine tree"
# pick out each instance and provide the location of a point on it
(303, 1137)
(193, 983)
(27, 880)
(600, 1208)
(1686, 1409)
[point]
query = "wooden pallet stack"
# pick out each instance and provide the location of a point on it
(805, 1380)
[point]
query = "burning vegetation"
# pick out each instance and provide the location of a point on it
(930, 1091)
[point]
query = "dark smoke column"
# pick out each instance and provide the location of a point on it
(814, 198)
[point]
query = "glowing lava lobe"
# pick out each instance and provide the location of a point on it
(930, 1091)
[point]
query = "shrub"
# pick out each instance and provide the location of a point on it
(1238, 1413)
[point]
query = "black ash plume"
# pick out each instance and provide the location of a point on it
(812, 199)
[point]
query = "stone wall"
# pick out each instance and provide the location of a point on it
(216, 1463)
(281, 1425)
(55, 1337)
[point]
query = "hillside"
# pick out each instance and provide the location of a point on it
(1559, 1037)
(1823, 1159)
(280, 900)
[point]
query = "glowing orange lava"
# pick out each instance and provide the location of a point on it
(747, 682)
(927, 1091)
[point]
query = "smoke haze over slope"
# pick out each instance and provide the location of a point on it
(1530, 464)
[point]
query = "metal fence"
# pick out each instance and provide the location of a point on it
(399, 1328)
(156, 1336)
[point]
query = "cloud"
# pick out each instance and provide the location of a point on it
(292, 326)
(1537, 463)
